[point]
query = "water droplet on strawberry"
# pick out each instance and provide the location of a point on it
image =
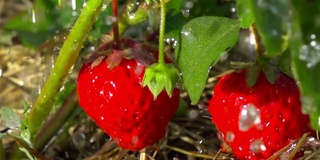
(136, 115)
(257, 146)
(134, 140)
(108, 93)
(230, 136)
(249, 116)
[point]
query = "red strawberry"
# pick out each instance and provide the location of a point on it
(117, 102)
(257, 122)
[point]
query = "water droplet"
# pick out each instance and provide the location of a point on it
(220, 135)
(230, 136)
(136, 115)
(310, 53)
(102, 118)
(186, 13)
(33, 13)
(139, 69)
(134, 140)
(308, 104)
(193, 113)
(200, 141)
(108, 89)
(233, 9)
(257, 146)
(249, 116)
(74, 4)
(110, 20)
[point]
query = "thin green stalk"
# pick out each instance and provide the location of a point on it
(66, 59)
(162, 32)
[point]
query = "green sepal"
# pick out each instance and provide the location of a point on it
(159, 77)
(252, 75)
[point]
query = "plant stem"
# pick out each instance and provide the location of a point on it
(115, 26)
(66, 59)
(162, 32)
(51, 127)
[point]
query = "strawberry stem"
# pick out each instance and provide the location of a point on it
(115, 26)
(162, 32)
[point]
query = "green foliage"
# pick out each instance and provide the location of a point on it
(10, 118)
(305, 53)
(46, 19)
(189, 10)
(203, 40)
(272, 19)
(244, 13)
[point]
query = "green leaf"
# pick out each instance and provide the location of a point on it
(244, 13)
(10, 118)
(190, 10)
(305, 53)
(174, 7)
(272, 18)
(203, 40)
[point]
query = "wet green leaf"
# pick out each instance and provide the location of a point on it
(305, 53)
(244, 13)
(203, 40)
(192, 9)
(272, 18)
(10, 118)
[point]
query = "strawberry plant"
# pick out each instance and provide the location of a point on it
(144, 79)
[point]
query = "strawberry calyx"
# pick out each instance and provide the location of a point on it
(161, 76)
(269, 66)
(126, 48)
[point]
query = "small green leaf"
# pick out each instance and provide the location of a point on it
(272, 18)
(203, 40)
(10, 118)
(159, 77)
(244, 13)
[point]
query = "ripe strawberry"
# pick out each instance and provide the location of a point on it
(117, 102)
(257, 122)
